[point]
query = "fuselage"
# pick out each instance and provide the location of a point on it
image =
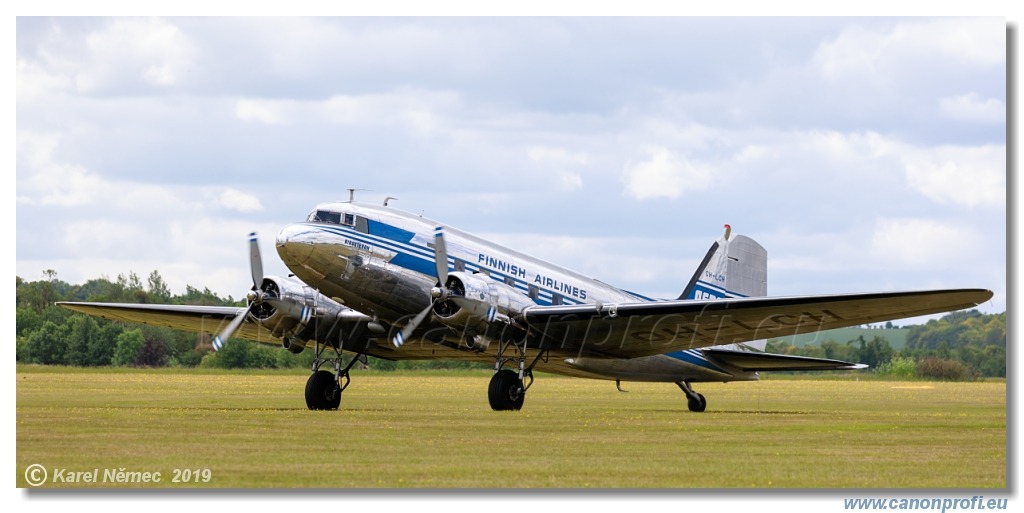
(380, 261)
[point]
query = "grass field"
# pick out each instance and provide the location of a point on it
(435, 430)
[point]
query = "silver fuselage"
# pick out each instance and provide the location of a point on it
(380, 262)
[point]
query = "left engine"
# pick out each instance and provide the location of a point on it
(474, 303)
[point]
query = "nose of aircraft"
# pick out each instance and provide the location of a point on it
(295, 243)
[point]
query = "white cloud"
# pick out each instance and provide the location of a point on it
(970, 107)
(35, 82)
(150, 50)
(665, 175)
(261, 111)
(920, 244)
(234, 199)
(881, 54)
(969, 176)
(560, 162)
(45, 182)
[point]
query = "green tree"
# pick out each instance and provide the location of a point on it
(48, 344)
(83, 330)
(129, 344)
(872, 353)
(158, 289)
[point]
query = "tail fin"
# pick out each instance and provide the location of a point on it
(735, 266)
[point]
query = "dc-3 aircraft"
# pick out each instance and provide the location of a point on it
(377, 281)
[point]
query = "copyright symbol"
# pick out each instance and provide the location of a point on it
(35, 475)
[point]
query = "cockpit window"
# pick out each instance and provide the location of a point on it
(324, 216)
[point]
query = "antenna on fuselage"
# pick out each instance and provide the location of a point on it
(352, 194)
(387, 199)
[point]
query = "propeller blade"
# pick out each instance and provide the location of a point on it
(255, 261)
(439, 293)
(409, 328)
(440, 256)
(218, 341)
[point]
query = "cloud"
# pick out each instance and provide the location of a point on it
(819, 127)
(881, 54)
(968, 176)
(560, 162)
(970, 107)
(665, 175)
(261, 111)
(921, 243)
(233, 199)
(41, 181)
(35, 82)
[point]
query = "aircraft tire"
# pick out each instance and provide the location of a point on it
(697, 404)
(322, 391)
(506, 391)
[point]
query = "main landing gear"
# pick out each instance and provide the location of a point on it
(507, 390)
(324, 388)
(694, 401)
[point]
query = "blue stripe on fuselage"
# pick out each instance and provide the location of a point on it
(420, 258)
(389, 232)
(694, 357)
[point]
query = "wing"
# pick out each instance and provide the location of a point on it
(632, 330)
(204, 319)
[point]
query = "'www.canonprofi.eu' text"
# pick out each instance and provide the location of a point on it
(978, 502)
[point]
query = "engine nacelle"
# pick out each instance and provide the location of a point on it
(476, 302)
(287, 307)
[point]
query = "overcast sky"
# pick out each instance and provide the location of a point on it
(866, 154)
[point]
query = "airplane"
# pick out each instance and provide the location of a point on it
(377, 281)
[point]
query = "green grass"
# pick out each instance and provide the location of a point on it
(432, 429)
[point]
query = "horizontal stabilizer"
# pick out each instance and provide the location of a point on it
(756, 361)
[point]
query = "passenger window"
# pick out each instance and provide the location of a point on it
(556, 299)
(460, 266)
(534, 292)
(510, 281)
(361, 225)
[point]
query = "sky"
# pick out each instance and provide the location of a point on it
(865, 154)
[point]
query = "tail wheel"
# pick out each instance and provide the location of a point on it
(697, 404)
(322, 391)
(506, 391)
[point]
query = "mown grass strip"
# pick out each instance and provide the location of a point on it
(435, 430)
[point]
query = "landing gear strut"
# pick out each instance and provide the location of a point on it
(694, 401)
(507, 391)
(324, 388)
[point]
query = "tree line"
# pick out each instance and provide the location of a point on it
(960, 345)
(51, 335)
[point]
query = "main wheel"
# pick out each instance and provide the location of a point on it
(506, 391)
(322, 391)
(697, 404)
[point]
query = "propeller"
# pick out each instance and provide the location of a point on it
(438, 293)
(255, 296)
